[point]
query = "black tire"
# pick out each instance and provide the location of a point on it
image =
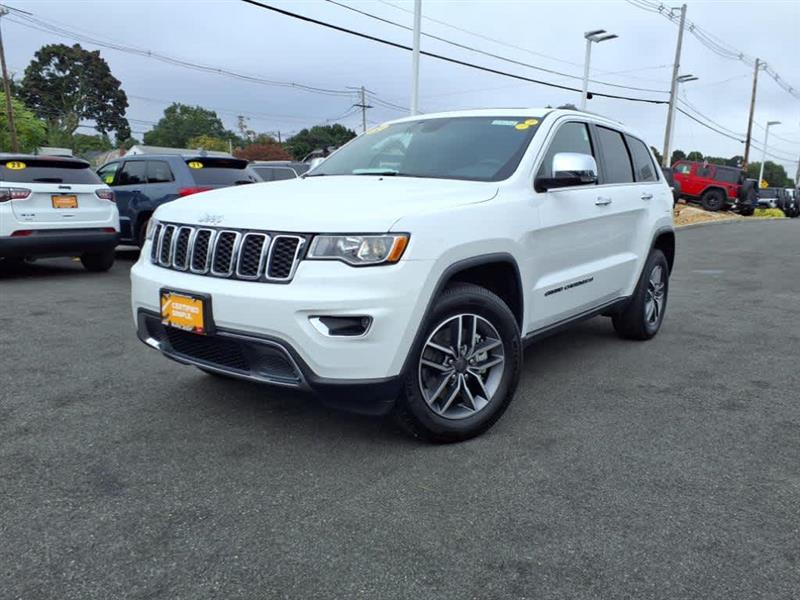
(747, 211)
(713, 200)
(413, 412)
(98, 261)
(632, 321)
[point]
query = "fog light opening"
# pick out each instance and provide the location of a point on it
(349, 326)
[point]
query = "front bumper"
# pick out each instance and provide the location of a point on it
(265, 360)
(58, 242)
(393, 296)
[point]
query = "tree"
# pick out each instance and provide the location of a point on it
(717, 160)
(736, 161)
(181, 123)
(82, 143)
(319, 136)
(694, 155)
(66, 84)
(273, 151)
(31, 130)
(676, 156)
(774, 173)
(657, 154)
(247, 134)
(207, 142)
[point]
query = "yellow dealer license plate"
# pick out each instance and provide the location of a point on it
(68, 201)
(184, 311)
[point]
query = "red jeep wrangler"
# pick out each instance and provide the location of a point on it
(714, 186)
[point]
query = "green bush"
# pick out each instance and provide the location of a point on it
(768, 212)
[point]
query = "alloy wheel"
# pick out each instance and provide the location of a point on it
(655, 296)
(461, 366)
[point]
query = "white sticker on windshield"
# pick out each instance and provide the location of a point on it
(506, 123)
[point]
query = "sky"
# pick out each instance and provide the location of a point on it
(239, 37)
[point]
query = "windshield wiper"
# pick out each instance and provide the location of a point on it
(376, 172)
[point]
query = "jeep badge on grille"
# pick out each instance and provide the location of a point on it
(211, 219)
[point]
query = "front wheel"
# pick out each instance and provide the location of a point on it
(463, 369)
(641, 318)
(98, 261)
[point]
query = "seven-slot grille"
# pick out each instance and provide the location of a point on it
(249, 255)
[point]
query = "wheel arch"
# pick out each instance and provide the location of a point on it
(474, 270)
(664, 240)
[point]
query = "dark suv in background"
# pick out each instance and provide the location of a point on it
(143, 182)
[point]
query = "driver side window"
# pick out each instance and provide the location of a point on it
(570, 137)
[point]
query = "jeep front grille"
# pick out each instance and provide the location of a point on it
(231, 253)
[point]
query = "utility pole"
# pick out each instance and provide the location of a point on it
(415, 58)
(7, 87)
(363, 106)
(750, 119)
(673, 92)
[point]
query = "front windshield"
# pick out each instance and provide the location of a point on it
(471, 148)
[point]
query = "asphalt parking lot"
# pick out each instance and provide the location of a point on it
(668, 469)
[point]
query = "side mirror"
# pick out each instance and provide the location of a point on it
(568, 169)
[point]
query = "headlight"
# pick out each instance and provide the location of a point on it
(151, 228)
(359, 250)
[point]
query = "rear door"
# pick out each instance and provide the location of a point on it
(130, 182)
(62, 191)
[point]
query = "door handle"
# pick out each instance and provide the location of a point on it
(647, 196)
(601, 201)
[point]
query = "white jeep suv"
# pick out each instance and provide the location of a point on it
(52, 206)
(406, 272)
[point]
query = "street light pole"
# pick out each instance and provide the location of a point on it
(596, 36)
(671, 128)
(415, 58)
(764, 151)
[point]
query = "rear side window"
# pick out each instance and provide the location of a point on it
(133, 173)
(705, 171)
(26, 170)
(570, 137)
(615, 156)
(220, 171)
(727, 175)
(643, 166)
(158, 171)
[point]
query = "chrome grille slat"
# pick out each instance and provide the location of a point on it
(165, 247)
(202, 245)
(249, 251)
(283, 253)
(235, 254)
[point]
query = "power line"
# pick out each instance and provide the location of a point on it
(715, 44)
(491, 54)
(52, 28)
(442, 57)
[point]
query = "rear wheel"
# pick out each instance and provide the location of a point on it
(464, 368)
(713, 200)
(98, 261)
(642, 316)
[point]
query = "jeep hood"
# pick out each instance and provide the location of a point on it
(330, 204)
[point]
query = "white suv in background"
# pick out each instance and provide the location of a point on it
(52, 206)
(407, 271)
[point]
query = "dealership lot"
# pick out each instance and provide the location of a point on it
(667, 469)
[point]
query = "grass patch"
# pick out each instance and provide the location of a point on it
(768, 212)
